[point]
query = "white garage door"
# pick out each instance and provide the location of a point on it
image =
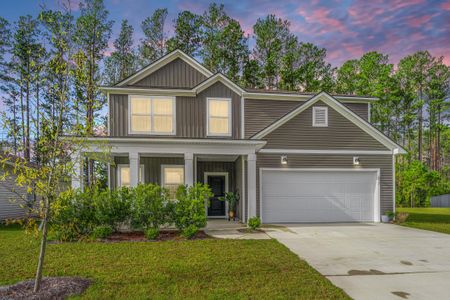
(291, 196)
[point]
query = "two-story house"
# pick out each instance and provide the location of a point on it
(293, 157)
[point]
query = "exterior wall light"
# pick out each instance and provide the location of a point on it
(284, 160)
(356, 161)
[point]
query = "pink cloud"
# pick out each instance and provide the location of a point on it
(419, 21)
(322, 16)
(445, 5)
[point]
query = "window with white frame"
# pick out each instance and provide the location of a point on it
(320, 116)
(172, 176)
(152, 114)
(123, 175)
(219, 116)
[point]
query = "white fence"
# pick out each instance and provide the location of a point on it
(440, 201)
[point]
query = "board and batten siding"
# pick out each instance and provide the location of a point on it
(176, 74)
(382, 162)
(340, 134)
(190, 114)
(261, 113)
(152, 167)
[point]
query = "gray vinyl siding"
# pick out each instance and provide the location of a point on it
(298, 133)
(382, 162)
(176, 74)
(190, 114)
(10, 201)
(152, 167)
(261, 113)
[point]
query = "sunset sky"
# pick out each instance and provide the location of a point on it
(346, 28)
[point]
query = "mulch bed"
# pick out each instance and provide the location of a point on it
(164, 235)
(51, 288)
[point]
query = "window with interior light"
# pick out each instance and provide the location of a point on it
(172, 176)
(123, 175)
(151, 115)
(219, 116)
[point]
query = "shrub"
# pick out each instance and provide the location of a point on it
(73, 215)
(151, 233)
(149, 206)
(189, 209)
(190, 231)
(254, 223)
(112, 208)
(101, 232)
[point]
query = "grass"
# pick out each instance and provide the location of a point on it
(432, 218)
(213, 269)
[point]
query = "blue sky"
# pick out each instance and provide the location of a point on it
(346, 28)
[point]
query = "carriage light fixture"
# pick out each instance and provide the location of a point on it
(284, 159)
(356, 160)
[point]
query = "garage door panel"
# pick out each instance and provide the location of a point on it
(317, 196)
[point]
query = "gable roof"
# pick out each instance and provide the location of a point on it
(161, 62)
(340, 108)
(219, 77)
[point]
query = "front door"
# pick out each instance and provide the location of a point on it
(218, 188)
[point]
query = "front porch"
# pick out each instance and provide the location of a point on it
(225, 165)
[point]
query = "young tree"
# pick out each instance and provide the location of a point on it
(224, 46)
(122, 62)
(153, 45)
(188, 34)
(271, 36)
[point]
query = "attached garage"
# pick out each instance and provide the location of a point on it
(319, 195)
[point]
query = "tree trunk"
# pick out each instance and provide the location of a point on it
(37, 281)
(419, 143)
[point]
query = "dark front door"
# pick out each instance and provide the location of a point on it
(217, 185)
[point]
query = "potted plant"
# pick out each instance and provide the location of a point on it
(232, 198)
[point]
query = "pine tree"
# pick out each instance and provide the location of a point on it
(188, 34)
(153, 45)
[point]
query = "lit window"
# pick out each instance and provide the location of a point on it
(152, 115)
(123, 178)
(219, 117)
(172, 178)
(320, 116)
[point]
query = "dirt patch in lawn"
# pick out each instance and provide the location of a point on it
(51, 288)
(249, 230)
(164, 235)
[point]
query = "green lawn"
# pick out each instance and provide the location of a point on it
(258, 269)
(435, 219)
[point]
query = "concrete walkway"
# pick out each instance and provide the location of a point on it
(223, 229)
(374, 261)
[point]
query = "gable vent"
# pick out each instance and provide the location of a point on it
(320, 116)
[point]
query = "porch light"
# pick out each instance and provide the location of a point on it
(356, 161)
(284, 160)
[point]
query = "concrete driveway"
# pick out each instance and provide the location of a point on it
(374, 261)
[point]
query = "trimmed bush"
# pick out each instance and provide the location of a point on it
(101, 232)
(149, 206)
(151, 233)
(189, 208)
(254, 223)
(190, 231)
(112, 208)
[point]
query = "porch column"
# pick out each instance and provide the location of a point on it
(77, 176)
(134, 168)
(251, 184)
(189, 169)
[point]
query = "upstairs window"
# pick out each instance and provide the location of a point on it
(320, 116)
(219, 116)
(152, 115)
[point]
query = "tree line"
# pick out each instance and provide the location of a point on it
(42, 55)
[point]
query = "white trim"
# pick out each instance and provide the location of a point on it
(148, 91)
(171, 166)
(304, 97)
(340, 108)
(146, 140)
(216, 78)
(377, 192)
(141, 173)
(230, 117)
(308, 151)
(225, 174)
(161, 63)
(314, 111)
(109, 113)
(243, 192)
(150, 98)
(242, 118)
